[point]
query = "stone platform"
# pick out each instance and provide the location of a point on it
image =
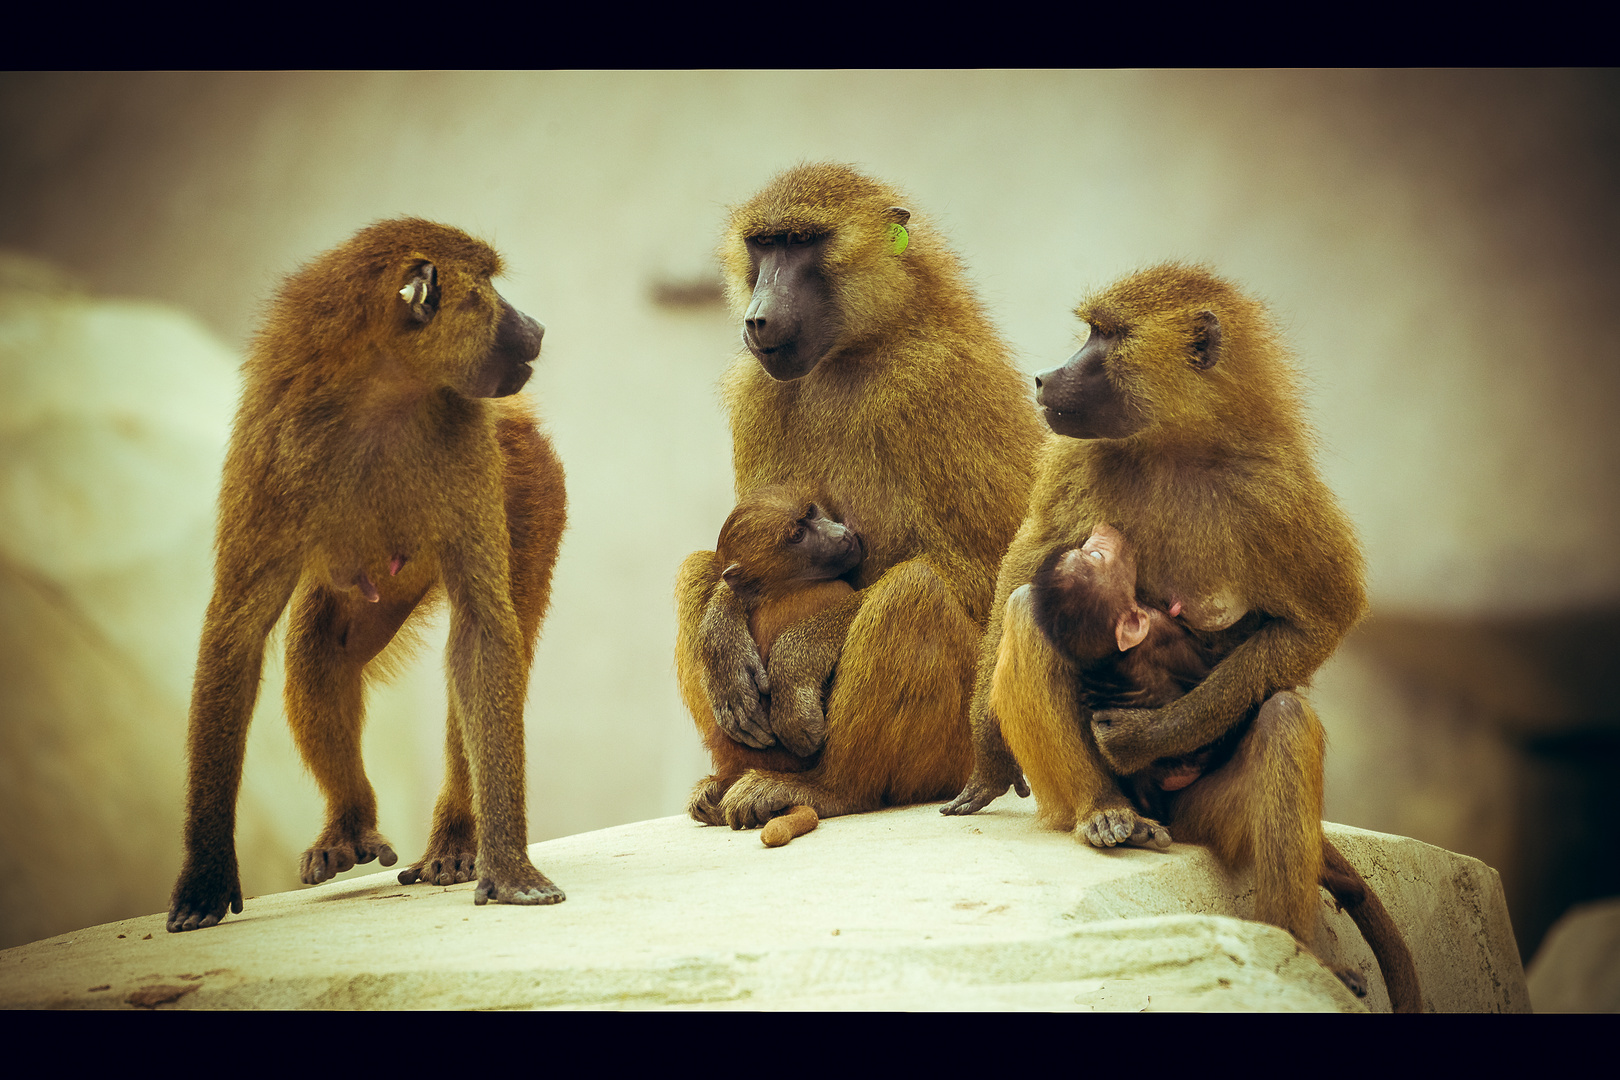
(902, 909)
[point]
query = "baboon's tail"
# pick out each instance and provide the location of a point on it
(1352, 893)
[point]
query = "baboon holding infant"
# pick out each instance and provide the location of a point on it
(1181, 427)
(873, 373)
(379, 464)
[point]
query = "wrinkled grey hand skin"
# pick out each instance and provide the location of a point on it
(1123, 825)
(733, 677)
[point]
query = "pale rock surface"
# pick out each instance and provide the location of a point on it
(1577, 968)
(902, 909)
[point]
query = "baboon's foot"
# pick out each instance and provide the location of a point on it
(335, 851)
(451, 850)
(757, 797)
(201, 896)
(704, 805)
(1123, 825)
(441, 867)
(521, 884)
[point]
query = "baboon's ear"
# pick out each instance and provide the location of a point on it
(421, 292)
(897, 216)
(1206, 346)
(1132, 628)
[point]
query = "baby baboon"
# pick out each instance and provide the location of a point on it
(784, 559)
(371, 472)
(872, 371)
(1184, 430)
(1125, 654)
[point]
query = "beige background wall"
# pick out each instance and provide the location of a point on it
(1438, 246)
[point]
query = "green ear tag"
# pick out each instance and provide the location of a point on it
(899, 237)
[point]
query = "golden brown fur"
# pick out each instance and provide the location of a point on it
(1214, 487)
(754, 539)
(371, 472)
(917, 421)
(766, 578)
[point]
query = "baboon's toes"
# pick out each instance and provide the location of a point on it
(540, 891)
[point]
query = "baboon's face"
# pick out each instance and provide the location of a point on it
(1079, 399)
(792, 320)
(509, 362)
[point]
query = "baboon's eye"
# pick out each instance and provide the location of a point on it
(810, 513)
(797, 535)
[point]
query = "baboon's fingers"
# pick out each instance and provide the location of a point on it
(744, 724)
(753, 801)
(386, 856)
(1109, 828)
(185, 917)
(1150, 834)
(314, 867)
(532, 888)
(182, 921)
(449, 870)
(410, 876)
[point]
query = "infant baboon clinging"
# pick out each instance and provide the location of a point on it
(1125, 654)
(372, 471)
(785, 560)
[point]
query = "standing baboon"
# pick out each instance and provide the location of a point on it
(874, 374)
(1185, 431)
(784, 560)
(371, 474)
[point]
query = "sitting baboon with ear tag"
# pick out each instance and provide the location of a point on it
(1183, 429)
(379, 464)
(871, 372)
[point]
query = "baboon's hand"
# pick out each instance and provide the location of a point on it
(734, 678)
(201, 897)
(1123, 737)
(797, 718)
(982, 790)
(1123, 825)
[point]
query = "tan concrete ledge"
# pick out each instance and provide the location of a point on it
(902, 909)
